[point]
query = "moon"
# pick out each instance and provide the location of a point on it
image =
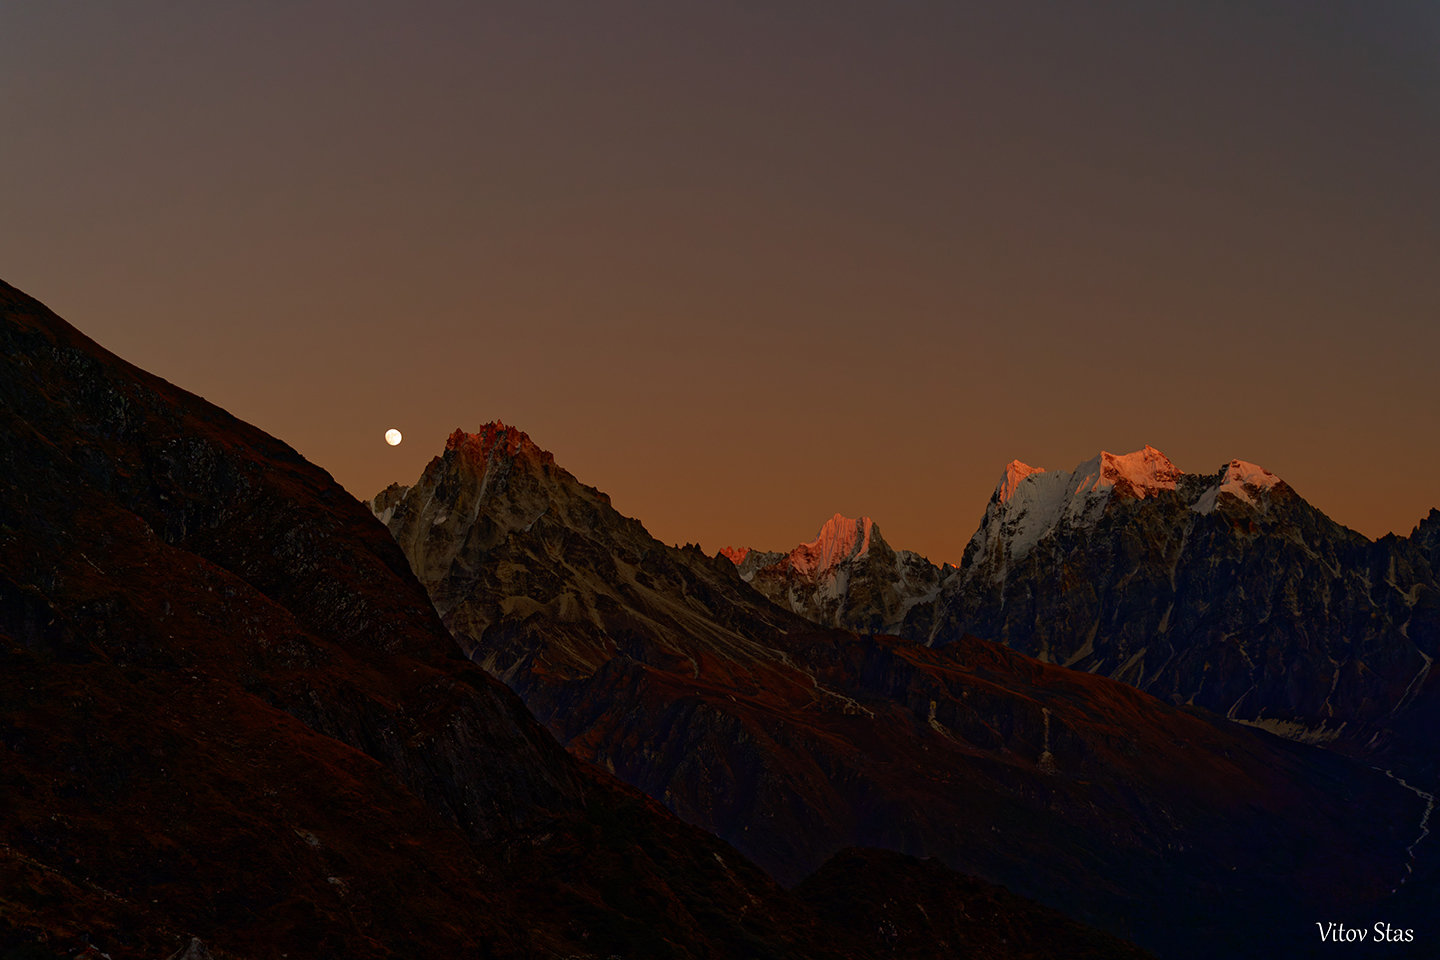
(392, 437)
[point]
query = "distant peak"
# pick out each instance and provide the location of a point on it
(840, 538)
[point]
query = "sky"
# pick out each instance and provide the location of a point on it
(745, 265)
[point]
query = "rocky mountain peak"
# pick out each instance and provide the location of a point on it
(495, 438)
(1137, 475)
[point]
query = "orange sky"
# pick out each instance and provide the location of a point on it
(743, 268)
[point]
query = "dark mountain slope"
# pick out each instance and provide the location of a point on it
(227, 709)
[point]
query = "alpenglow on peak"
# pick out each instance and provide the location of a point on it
(1030, 503)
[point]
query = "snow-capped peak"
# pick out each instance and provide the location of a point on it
(839, 539)
(1241, 479)
(1030, 504)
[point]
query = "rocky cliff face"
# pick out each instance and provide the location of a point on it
(1194, 836)
(1226, 591)
(847, 577)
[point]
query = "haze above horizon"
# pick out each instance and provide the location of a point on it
(743, 268)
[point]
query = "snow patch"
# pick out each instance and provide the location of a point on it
(1418, 680)
(1429, 799)
(1294, 730)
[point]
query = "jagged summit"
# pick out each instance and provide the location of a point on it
(495, 437)
(1223, 590)
(1142, 473)
(840, 539)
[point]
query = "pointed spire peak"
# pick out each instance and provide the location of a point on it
(840, 539)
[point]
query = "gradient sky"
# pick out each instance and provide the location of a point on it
(742, 265)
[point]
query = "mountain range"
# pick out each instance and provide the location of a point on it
(1224, 590)
(736, 690)
(244, 715)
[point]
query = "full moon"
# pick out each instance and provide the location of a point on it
(392, 437)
